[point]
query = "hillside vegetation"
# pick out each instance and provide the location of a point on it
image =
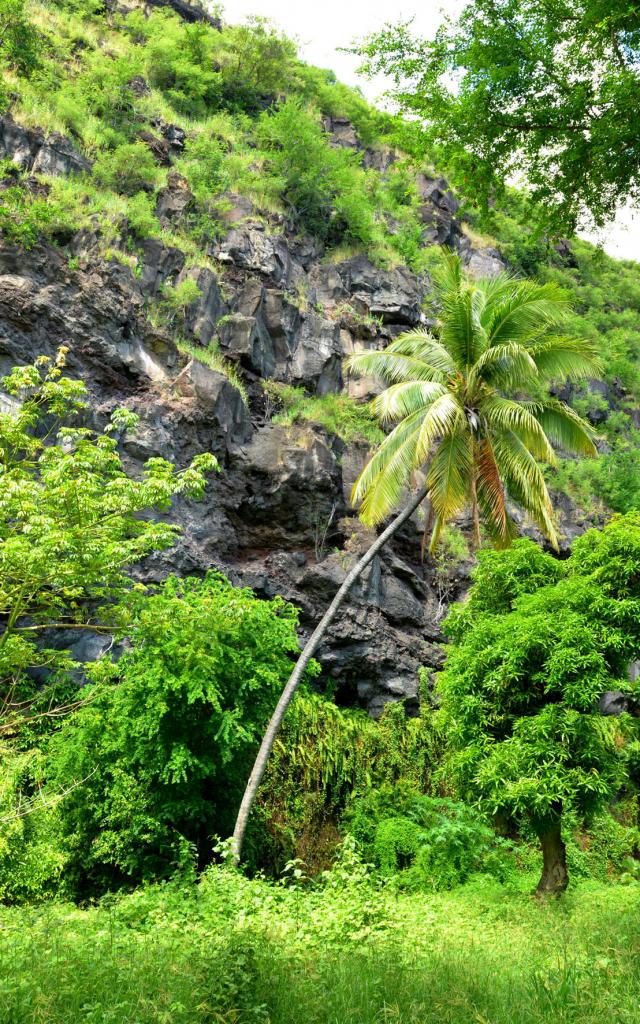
(153, 595)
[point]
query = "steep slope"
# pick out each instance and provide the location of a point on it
(211, 226)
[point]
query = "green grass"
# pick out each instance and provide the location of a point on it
(234, 951)
(339, 414)
(213, 358)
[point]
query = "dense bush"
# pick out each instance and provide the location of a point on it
(425, 842)
(165, 739)
(31, 857)
(323, 187)
(70, 528)
(19, 39)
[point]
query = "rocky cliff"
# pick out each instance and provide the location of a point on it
(277, 518)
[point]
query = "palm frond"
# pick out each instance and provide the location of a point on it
(461, 331)
(507, 414)
(490, 491)
(525, 481)
(424, 346)
(565, 428)
(401, 400)
(559, 359)
(448, 275)
(445, 416)
(449, 474)
(392, 368)
(439, 523)
(503, 365)
(528, 311)
(381, 483)
(495, 289)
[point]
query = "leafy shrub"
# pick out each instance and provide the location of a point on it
(429, 843)
(31, 856)
(605, 849)
(257, 64)
(130, 168)
(73, 498)
(20, 42)
(202, 165)
(324, 189)
(176, 299)
(25, 217)
(141, 216)
(180, 61)
(97, 104)
(166, 740)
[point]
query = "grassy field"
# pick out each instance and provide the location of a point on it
(234, 951)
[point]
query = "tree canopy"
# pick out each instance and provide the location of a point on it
(71, 525)
(549, 90)
(532, 652)
(164, 751)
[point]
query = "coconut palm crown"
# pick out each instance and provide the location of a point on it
(470, 407)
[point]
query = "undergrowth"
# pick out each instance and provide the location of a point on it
(236, 951)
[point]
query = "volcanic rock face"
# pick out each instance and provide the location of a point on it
(277, 517)
(33, 151)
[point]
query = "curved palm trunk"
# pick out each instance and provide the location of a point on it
(305, 657)
(475, 514)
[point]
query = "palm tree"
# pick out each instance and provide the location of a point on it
(472, 405)
(470, 410)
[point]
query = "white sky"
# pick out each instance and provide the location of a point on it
(322, 26)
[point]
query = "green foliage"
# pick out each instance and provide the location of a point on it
(203, 166)
(258, 63)
(614, 478)
(19, 39)
(31, 857)
(427, 842)
(180, 62)
(339, 414)
(607, 848)
(24, 217)
(222, 88)
(176, 299)
(500, 578)
(128, 169)
(322, 756)
(323, 187)
(70, 523)
(507, 87)
(170, 729)
(452, 549)
(528, 663)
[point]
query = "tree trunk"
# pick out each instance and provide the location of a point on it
(475, 515)
(305, 657)
(554, 878)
